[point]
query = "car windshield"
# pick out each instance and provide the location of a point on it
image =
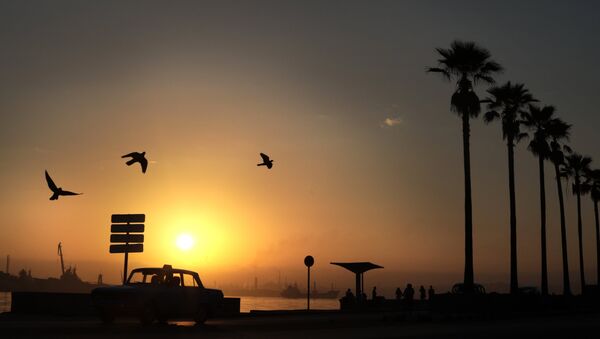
(145, 277)
(159, 276)
(188, 280)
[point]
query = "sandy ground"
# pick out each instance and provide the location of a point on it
(309, 326)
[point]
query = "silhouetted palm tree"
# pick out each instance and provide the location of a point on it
(540, 122)
(575, 167)
(467, 63)
(558, 132)
(506, 103)
(593, 183)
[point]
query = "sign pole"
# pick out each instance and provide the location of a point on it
(126, 260)
(308, 261)
(308, 290)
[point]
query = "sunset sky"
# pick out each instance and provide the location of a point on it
(368, 157)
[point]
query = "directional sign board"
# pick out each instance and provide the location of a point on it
(125, 242)
(131, 248)
(133, 238)
(127, 228)
(128, 218)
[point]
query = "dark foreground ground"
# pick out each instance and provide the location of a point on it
(324, 325)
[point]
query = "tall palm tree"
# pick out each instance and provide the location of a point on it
(505, 103)
(467, 63)
(575, 167)
(540, 121)
(559, 131)
(593, 182)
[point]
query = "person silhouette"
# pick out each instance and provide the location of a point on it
(398, 293)
(155, 280)
(409, 292)
(349, 294)
(422, 292)
(374, 293)
(431, 292)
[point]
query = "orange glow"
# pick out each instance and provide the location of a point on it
(368, 163)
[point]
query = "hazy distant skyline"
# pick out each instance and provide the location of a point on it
(368, 155)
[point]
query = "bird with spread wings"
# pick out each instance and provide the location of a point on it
(266, 161)
(57, 191)
(137, 157)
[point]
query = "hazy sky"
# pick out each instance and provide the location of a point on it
(368, 158)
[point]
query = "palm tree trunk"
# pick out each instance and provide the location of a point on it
(543, 226)
(514, 283)
(468, 277)
(563, 234)
(580, 232)
(597, 243)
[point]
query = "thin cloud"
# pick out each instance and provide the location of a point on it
(41, 150)
(392, 121)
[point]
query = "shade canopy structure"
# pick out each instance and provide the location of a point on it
(358, 268)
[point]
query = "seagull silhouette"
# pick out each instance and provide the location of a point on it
(57, 191)
(266, 161)
(137, 157)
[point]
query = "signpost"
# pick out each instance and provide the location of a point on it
(133, 243)
(308, 261)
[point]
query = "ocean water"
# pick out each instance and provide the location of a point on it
(246, 303)
(277, 303)
(4, 302)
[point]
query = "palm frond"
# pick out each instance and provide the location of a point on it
(477, 78)
(521, 136)
(568, 149)
(466, 59)
(445, 74)
(490, 116)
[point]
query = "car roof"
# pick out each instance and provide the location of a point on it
(160, 269)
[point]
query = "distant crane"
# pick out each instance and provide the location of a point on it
(62, 262)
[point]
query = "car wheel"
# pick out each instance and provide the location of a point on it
(147, 316)
(201, 316)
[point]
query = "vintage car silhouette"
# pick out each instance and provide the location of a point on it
(158, 294)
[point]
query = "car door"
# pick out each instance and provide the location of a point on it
(192, 294)
(171, 297)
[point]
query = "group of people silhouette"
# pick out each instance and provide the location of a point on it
(407, 295)
(169, 280)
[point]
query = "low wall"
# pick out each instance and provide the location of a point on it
(66, 304)
(231, 307)
(80, 304)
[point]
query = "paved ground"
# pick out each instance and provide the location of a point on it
(309, 326)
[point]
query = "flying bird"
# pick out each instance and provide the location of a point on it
(266, 161)
(137, 157)
(57, 191)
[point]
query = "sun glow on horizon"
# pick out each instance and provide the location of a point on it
(185, 242)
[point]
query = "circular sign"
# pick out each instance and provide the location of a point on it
(309, 261)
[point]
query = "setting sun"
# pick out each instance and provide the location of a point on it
(185, 242)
